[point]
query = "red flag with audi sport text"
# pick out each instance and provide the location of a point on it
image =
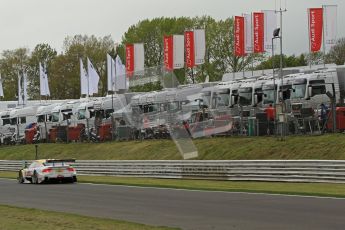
(129, 59)
(189, 48)
(239, 36)
(315, 28)
(168, 53)
(258, 30)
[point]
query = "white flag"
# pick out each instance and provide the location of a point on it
(44, 86)
(199, 46)
(110, 73)
(25, 85)
(120, 78)
(178, 53)
(270, 24)
(22, 86)
(83, 79)
(139, 57)
(330, 26)
(1, 89)
(46, 81)
(248, 33)
(20, 93)
(93, 77)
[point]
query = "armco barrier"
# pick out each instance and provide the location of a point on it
(331, 171)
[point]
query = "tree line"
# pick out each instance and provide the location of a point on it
(63, 68)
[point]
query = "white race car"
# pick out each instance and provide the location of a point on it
(48, 170)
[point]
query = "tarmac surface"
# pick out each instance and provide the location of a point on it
(185, 209)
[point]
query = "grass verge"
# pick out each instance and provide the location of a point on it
(324, 147)
(308, 189)
(15, 218)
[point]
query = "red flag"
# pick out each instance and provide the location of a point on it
(168, 52)
(189, 44)
(258, 25)
(129, 59)
(315, 28)
(239, 36)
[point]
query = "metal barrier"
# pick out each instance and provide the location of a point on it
(330, 171)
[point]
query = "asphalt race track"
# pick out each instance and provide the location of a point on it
(180, 208)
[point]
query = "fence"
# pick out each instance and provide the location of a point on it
(330, 171)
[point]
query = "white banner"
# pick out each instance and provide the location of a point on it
(270, 24)
(20, 93)
(44, 86)
(93, 77)
(248, 33)
(178, 44)
(1, 89)
(120, 74)
(139, 57)
(25, 86)
(83, 79)
(199, 46)
(110, 73)
(42, 81)
(329, 26)
(46, 81)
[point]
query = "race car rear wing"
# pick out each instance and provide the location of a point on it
(62, 161)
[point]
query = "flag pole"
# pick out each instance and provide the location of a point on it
(88, 79)
(243, 66)
(281, 11)
(310, 53)
(22, 88)
(252, 39)
(39, 71)
(323, 37)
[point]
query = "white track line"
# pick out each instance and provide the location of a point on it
(206, 191)
(210, 191)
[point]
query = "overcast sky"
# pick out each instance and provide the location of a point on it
(26, 23)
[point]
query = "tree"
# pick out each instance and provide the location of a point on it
(219, 45)
(43, 53)
(13, 63)
(315, 58)
(337, 52)
(85, 47)
(288, 61)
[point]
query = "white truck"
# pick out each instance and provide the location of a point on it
(20, 118)
(44, 119)
(318, 87)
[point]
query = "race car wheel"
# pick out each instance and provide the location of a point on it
(20, 178)
(35, 178)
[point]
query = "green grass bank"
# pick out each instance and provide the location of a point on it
(324, 147)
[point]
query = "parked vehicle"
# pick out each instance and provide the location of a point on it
(45, 119)
(20, 118)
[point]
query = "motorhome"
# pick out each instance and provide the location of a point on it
(86, 113)
(66, 113)
(105, 106)
(6, 131)
(22, 117)
(44, 119)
